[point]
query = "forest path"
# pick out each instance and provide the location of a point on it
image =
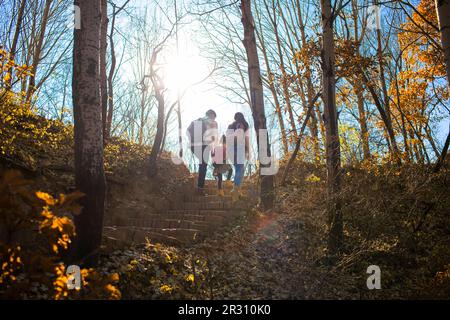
(186, 219)
(259, 259)
(255, 255)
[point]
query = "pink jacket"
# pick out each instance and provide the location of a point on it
(220, 154)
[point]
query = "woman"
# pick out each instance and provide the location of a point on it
(238, 150)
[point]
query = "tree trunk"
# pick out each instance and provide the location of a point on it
(180, 131)
(159, 133)
(431, 141)
(180, 125)
(103, 77)
(166, 124)
(284, 82)
(309, 112)
(112, 69)
(37, 52)
(257, 101)
(443, 13)
(270, 82)
(89, 172)
(159, 93)
(313, 124)
(12, 50)
(332, 132)
(441, 159)
(387, 119)
(362, 122)
(142, 112)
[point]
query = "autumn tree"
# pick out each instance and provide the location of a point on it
(158, 86)
(257, 101)
(87, 108)
(443, 11)
(332, 130)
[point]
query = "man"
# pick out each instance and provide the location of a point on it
(203, 134)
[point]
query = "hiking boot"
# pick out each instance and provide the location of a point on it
(200, 192)
(220, 193)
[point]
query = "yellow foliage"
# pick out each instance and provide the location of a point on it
(34, 229)
(10, 71)
(312, 178)
(166, 288)
(190, 278)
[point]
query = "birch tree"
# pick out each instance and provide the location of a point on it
(89, 171)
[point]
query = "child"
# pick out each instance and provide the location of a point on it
(220, 165)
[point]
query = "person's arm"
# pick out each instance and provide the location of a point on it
(216, 133)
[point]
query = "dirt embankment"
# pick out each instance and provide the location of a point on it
(43, 150)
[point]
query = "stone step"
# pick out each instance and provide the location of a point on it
(178, 216)
(213, 192)
(207, 198)
(138, 235)
(173, 223)
(118, 236)
(209, 213)
(217, 205)
(225, 187)
(191, 215)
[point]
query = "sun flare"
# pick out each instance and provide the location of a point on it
(184, 70)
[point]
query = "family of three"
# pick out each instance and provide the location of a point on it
(232, 149)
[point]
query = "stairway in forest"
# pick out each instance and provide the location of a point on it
(189, 219)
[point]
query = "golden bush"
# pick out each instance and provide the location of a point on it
(35, 230)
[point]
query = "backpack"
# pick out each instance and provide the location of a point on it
(190, 129)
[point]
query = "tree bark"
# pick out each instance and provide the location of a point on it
(443, 13)
(89, 171)
(159, 93)
(142, 111)
(335, 238)
(103, 76)
(112, 69)
(157, 143)
(257, 101)
(362, 121)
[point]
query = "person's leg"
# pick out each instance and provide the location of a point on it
(220, 192)
(229, 174)
(219, 181)
(238, 174)
(201, 175)
(203, 166)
